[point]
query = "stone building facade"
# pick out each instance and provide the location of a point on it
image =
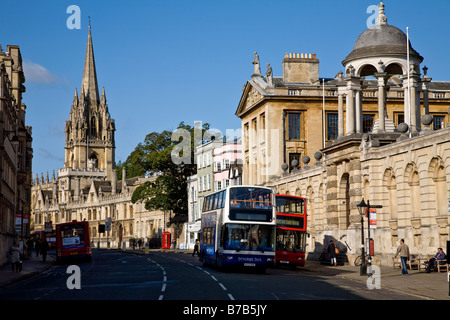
(377, 131)
(16, 152)
(289, 117)
(408, 177)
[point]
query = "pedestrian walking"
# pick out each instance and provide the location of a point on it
(44, 249)
(16, 263)
(403, 251)
(333, 251)
(195, 248)
(37, 246)
(30, 246)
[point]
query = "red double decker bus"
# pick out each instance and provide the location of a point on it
(291, 230)
(72, 240)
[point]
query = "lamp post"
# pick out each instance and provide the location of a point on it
(369, 262)
(362, 208)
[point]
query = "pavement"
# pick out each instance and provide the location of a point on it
(428, 286)
(30, 266)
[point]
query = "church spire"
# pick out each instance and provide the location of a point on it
(90, 130)
(89, 82)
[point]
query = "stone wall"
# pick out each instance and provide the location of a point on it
(409, 178)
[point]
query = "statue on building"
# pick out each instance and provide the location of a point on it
(269, 76)
(256, 67)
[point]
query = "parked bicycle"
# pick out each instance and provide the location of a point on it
(358, 260)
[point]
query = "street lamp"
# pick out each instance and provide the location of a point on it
(362, 210)
(14, 140)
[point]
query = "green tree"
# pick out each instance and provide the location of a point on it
(162, 155)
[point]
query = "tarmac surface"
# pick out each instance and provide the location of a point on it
(427, 286)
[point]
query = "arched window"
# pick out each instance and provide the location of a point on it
(438, 174)
(413, 183)
(93, 132)
(344, 199)
(390, 182)
(441, 192)
(311, 205)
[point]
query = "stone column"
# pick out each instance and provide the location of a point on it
(350, 112)
(426, 104)
(358, 111)
(340, 114)
(412, 117)
(406, 113)
(381, 101)
(415, 125)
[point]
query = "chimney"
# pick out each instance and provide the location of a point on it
(300, 67)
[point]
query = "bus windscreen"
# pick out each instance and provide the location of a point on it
(251, 204)
(248, 237)
(72, 235)
(250, 198)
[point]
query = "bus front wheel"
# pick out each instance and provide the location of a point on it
(201, 256)
(219, 260)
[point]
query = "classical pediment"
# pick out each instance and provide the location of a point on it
(250, 97)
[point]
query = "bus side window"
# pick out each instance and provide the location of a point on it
(216, 201)
(223, 198)
(205, 236)
(219, 203)
(208, 203)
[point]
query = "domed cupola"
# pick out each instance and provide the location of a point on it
(382, 41)
(384, 53)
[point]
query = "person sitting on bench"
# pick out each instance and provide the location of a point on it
(440, 255)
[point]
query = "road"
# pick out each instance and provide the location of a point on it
(114, 275)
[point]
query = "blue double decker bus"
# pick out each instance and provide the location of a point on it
(238, 227)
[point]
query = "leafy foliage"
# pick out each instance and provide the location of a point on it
(168, 192)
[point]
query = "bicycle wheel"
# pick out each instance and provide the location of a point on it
(358, 261)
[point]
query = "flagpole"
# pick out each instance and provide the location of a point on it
(409, 83)
(323, 111)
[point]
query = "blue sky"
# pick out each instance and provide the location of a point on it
(167, 61)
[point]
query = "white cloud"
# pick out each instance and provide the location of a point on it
(36, 73)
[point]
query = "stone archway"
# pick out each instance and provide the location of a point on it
(394, 69)
(367, 70)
